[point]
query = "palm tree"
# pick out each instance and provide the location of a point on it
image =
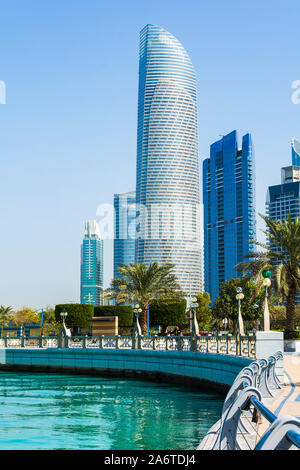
(6, 314)
(143, 285)
(282, 257)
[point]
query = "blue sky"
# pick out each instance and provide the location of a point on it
(68, 128)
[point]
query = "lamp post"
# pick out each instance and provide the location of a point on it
(63, 315)
(266, 274)
(195, 326)
(240, 296)
(136, 329)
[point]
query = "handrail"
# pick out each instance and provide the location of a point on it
(234, 346)
(251, 385)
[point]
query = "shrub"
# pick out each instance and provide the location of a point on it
(78, 315)
(124, 312)
(167, 314)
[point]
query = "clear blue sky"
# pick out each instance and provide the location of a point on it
(68, 129)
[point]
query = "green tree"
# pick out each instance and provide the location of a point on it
(6, 315)
(204, 311)
(123, 312)
(226, 306)
(282, 257)
(79, 315)
(24, 316)
(166, 314)
(143, 285)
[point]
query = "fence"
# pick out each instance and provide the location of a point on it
(242, 406)
(220, 344)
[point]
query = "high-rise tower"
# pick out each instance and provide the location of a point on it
(91, 285)
(167, 187)
(124, 230)
(229, 209)
(284, 199)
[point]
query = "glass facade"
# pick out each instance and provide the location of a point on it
(229, 209)
(284, 199)
(295, 152)
(124, 230)
(91, 282)
(167, 187)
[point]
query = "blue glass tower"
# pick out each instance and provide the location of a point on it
(229, 209)
(124, 228)
(91, 283)
(283, 199)
(295, 152)
(167, 185)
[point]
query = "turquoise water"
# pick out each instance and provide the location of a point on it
(51, 411)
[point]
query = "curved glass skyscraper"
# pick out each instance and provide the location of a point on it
(167, 188)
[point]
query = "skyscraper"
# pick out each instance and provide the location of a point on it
(283, 199)
(229, 209)
(124, 230)
(167, 187)
(91, 285)
(295, 152)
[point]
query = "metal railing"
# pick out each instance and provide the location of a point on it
(243, 405)
(220, 344)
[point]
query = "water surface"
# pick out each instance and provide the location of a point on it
(52, 411)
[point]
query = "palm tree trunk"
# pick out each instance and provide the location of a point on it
(290, 313)
(144, 321)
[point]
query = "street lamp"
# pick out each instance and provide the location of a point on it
(225, 322)
(240, 296)
(195, 326)
(266, 274)
(63, 314)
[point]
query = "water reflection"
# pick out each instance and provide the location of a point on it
(51, 411)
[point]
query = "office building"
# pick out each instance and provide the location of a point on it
(91, 285)
(167, 186)
(124, 229)
(229, 209)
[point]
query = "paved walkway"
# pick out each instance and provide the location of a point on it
(287, 402)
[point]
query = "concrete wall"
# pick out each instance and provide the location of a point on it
(212, 370)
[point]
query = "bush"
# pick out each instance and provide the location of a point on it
(124, 312)
(167, 314)
(78, 315)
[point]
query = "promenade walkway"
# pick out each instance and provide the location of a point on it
(287, 402)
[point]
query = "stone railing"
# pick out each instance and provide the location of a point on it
(217, 344)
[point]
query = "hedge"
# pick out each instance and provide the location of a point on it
(78, 315)
(167, 314)
(124, 312)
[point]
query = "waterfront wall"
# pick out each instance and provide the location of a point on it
(213, 370)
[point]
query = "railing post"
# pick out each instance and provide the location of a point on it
(84, 341)
(268, 343)
(275, 438)
(228, 431)
(101, 341)
(263, 380)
